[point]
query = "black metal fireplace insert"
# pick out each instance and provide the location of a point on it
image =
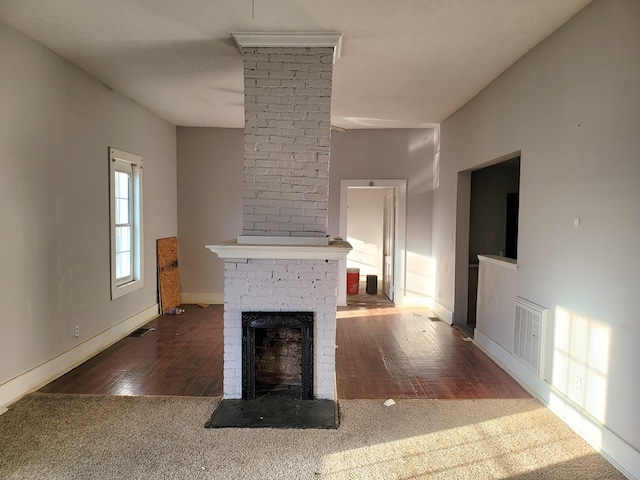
(253, 321)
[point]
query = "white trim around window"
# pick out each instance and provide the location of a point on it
(125, 222)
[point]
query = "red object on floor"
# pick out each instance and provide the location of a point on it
(353, 281)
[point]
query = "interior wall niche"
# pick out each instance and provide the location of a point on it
(493, 227)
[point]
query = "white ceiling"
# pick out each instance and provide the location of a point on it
(404, 63)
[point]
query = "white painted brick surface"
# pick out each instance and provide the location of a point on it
(281, 285)
(287, 136)
(286, 185)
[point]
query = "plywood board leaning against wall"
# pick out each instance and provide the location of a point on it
(168, 277)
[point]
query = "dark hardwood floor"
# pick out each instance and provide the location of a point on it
(383, 352)
(182, 355)
(407, 353)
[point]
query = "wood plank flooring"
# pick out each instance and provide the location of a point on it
(182, 356)
(406, 353)
(382, 352)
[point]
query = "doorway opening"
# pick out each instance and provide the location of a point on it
(487, 224)
(372, 219)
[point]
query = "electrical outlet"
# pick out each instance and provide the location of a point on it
(577, 384)
(76, 331)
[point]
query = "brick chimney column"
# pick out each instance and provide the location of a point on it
(287, 139)
(283, 261)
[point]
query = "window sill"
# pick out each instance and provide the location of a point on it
(119, 291)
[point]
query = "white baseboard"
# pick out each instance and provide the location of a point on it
(442, 312)
(618, 452)
(206, 298)
(17, 387)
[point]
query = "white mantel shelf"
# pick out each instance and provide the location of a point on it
(336, 250)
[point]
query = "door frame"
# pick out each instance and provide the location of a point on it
(462, 240)
(399, 269)
(388, 243)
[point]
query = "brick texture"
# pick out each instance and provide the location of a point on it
(287, 139)
(281, 286)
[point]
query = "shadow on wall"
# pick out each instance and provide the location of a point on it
(420, 148)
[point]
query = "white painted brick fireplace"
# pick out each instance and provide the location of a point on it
(284, 261)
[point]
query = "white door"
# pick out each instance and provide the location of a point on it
(388, 244)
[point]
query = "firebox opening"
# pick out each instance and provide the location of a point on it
(278, 361)
(277, 354)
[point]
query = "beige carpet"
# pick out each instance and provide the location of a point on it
(48, 436)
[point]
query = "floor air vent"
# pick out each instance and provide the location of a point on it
(140, 332)
(530, 334)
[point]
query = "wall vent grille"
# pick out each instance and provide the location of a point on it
(530, 334)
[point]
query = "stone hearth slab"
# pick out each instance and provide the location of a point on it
(275, 411)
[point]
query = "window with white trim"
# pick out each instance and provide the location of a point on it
(125, 192)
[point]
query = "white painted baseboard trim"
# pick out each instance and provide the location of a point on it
(618, 452)
(442, 312)
(29, 381)
(208, 298)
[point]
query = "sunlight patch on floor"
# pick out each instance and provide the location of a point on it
(499, 448)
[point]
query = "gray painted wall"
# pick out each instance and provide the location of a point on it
(572, 106)
(210, 192)
(392, 154)
(210, 196)
(56, 124)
